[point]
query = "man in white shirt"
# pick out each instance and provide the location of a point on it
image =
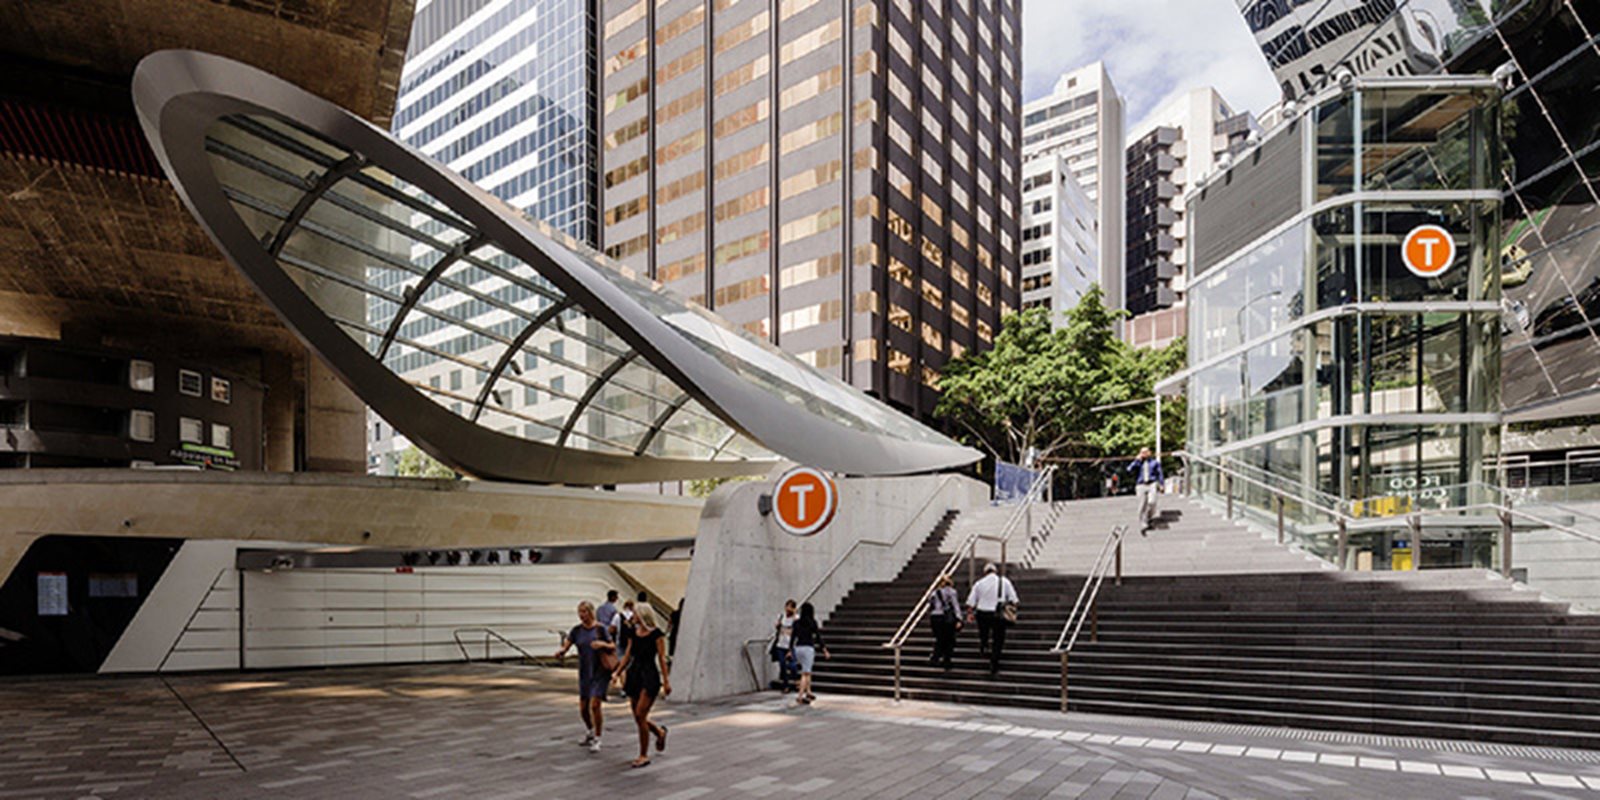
(986, 603)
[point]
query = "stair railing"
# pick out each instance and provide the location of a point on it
(1084, 608)
(861, 543)
(966, 551)
(490, 635)
(1280, 498)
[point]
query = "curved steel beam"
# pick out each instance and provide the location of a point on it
(661, 422)
(588, 396)
(338, 172)
(514, 348)
(414, 296)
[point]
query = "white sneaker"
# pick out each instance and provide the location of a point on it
(594, 745)
(588, 739)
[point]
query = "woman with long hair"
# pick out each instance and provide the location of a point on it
(807, 641)
(648, 677)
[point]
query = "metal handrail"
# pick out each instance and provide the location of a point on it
(839, 562)
(1504, 509)
(967, 548)
(1084, 607)
(489, 633)
(1091, 589)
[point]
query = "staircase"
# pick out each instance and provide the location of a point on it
(1214, 622)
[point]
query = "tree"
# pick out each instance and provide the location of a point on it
(413, 463)
(1037, 388)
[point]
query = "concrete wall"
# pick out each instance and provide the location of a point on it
(324, 509)
(744, 567)
(316, 618)
(1560, 565)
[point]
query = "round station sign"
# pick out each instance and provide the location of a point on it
(1428, 251)
(803, 501)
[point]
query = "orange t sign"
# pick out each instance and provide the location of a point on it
(1428, 251)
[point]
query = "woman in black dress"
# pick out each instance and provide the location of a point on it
(645, 666)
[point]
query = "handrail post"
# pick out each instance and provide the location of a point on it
(1227, 491)
(897, 673)
(1002, 558)
(1344, 538)
(1278, 500)
(1063, 681)
(1505, 540)
(1094, 621)
(1119, 560)
(1415, 524)
(972, 562)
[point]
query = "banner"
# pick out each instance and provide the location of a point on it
(1011, 482)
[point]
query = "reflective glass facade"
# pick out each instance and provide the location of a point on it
(1548, 53)
(1319, 359)
(503, 93)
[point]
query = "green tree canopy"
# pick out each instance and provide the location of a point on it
(1037, 386)
(413, 463)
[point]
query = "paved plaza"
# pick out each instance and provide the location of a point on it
(498, 731)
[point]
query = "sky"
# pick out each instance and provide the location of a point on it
(1154, 50)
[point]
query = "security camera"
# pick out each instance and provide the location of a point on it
(1345, 76)
(1290, 110)
(1505, 75)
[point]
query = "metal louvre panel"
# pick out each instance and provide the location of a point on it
(1260, 192)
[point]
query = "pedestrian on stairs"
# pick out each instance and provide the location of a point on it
(945, 612)
(1149, 480)
(993, 604)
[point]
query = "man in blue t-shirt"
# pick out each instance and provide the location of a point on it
(606, 614)
(591, 639)
(1148, 480)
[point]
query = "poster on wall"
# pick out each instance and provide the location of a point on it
(52, 594)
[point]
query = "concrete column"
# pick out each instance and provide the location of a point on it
(336, 423)
(277, 413)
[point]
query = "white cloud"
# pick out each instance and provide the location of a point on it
(1154, 50)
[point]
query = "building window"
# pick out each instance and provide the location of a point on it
(142, 425)
(191, 430)
(221, 391)
(221, 436)
(189, 383)
(141, 376)
(455, 380)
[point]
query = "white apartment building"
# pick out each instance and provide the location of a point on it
(1081, 121)
(1060, 237)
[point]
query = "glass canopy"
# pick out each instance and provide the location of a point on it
(498, 321)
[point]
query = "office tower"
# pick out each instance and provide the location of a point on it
(1186, 140)
(1082, 120)
(1060, 237)
(839, 179)
(503, 93)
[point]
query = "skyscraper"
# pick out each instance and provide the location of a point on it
(839, 179)
(1082, 121)
(503, 92)
(1186, 140)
